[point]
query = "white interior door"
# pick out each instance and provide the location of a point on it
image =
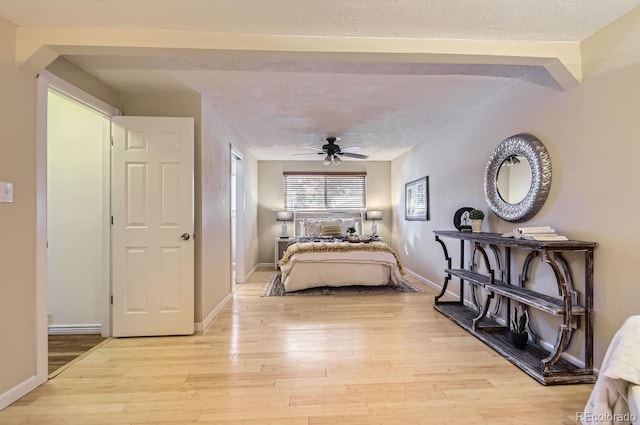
(234, 231)
(152, 232)
(237, 216)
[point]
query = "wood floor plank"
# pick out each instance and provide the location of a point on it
(109, 398)
(250, 413)
(380, 359)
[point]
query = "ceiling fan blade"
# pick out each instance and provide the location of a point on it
(351, 148)
(307, 153)
(354, 155)
(315, 148)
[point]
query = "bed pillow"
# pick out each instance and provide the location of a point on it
(332, 231)
(312, 227)
(332, 228)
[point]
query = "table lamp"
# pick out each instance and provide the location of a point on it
(373, 215)
(284, 216)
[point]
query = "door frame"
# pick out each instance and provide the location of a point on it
(46, 81)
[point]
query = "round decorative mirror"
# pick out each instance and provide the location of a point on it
(514, 179)
(517, 178)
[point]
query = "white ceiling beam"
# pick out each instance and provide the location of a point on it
(36, 47)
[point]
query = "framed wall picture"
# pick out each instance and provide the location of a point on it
(416, 199)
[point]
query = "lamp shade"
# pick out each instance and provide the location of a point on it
(284, 216)
(511, 161)
(374, 215)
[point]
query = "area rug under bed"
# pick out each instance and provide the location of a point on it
(275, 288)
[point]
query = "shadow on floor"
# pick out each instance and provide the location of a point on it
(65, 348)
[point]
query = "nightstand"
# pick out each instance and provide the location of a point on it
(280, 248)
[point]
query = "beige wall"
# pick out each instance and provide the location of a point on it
(270, 196)
(17, 219)
(215, 183)
(84, 81)
(590, 132)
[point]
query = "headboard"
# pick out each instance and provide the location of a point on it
(300, 216)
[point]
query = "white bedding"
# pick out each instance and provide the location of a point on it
(620, 371)
(374, 265)
(634, 403)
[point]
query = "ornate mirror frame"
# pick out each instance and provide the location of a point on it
(534, 151)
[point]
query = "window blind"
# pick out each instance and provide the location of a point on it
(326, 191)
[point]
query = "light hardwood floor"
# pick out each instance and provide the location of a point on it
(378, 359)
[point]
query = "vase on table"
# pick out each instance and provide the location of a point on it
(519, 340)
(476, 226)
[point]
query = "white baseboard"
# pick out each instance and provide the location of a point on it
(201, 326)
(566, 356)
(95, 328)
(251, 272)
(13, 394)
(424, 280)
(263, 266)
(434, 285)
(245, 278)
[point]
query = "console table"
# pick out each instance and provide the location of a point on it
(546, 366)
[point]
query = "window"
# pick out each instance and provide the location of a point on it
(323, 191)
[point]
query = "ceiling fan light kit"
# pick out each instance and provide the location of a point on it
(332, 152)
(332, 160)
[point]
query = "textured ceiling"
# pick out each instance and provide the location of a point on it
(552, 20)
(277, 104)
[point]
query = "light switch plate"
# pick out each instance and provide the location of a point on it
(6, 192)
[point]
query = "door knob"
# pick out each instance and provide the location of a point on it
(185, 236)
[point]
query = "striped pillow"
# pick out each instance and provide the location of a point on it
(331, 230)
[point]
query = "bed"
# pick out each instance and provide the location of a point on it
(321, 255)
(615, 398)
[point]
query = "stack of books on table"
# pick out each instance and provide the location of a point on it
(540, 233)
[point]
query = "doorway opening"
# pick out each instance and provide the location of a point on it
(77, 226)
(73, 239)
(85, 216)
(237, 217)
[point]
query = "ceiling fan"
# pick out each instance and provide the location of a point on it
(333, 152)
